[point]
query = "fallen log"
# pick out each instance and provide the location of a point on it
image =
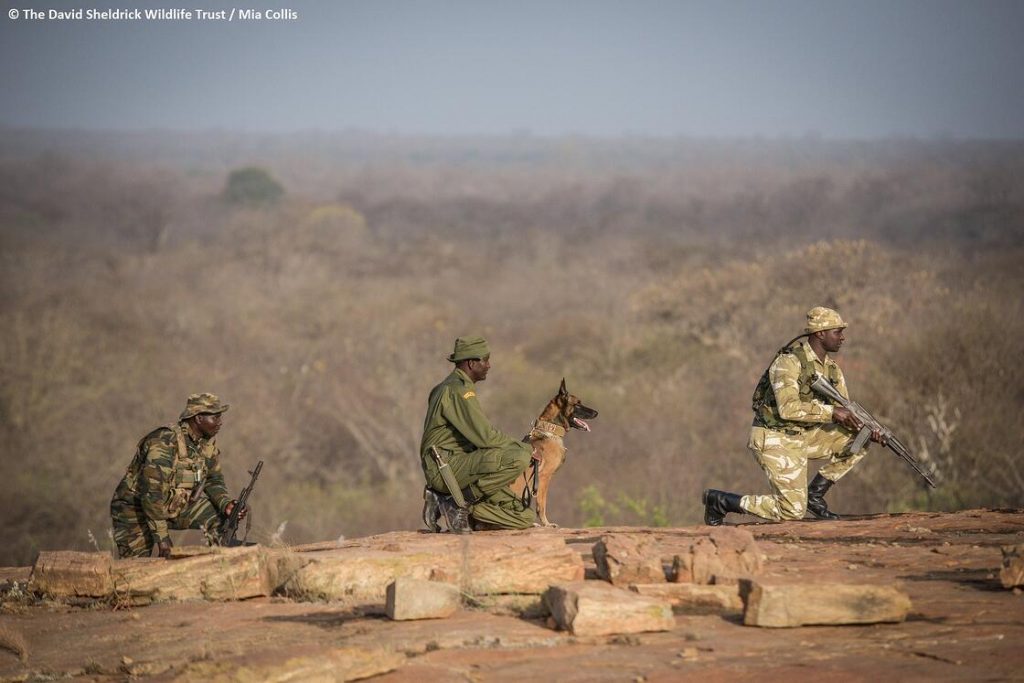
(479, 564)
(220, 574)
(68, 574)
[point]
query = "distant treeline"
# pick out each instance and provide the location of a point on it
(657, 276)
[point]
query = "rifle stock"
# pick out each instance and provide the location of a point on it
(823, 387)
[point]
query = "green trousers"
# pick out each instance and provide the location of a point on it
(133, 537)
(487, 472)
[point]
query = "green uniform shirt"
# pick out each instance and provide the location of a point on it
(456, 423)
(160, 481)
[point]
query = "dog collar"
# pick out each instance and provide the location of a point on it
(548, 429)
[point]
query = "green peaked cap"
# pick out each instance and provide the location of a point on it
(467, 348)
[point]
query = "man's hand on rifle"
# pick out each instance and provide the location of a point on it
(846, 418)
(229, 508)
(163, 548)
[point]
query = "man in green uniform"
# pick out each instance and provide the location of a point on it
(792, 425)
(173, 482)
(483, 459)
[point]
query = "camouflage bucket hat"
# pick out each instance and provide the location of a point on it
(820, 318)
(467, 348)
(202, 403)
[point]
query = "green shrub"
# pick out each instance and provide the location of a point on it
(252, 186)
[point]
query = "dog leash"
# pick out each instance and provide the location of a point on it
(530, 492)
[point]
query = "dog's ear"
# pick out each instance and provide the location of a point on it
(562, 391)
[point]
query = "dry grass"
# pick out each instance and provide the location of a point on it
(659, 293)
(13, 641)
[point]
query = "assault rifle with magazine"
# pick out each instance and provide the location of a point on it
(229, 528)
(823, 387)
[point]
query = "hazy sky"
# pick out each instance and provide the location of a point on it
(839, 69)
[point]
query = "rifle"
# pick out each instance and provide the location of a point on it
(825, 388)
(229, 528)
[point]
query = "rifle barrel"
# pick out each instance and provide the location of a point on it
(825, 388)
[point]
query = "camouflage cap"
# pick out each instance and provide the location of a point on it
(202, 403)
(467, 348)
(820, 318)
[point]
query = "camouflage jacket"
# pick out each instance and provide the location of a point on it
(164, 472)
(789, 403)
(456, 423)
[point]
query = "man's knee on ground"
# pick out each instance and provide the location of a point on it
(791, 509)
(132, 542)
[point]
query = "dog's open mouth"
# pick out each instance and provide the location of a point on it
(580, 424)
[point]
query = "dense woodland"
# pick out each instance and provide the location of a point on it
(657, 276)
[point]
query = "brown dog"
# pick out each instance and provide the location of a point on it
(562, 413)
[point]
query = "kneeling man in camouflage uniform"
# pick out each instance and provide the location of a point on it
(173, 482)
(483, 460)
(792, 425)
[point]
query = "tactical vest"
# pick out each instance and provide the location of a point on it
(185, 478)
(766, 409)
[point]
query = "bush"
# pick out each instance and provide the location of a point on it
(252, 186)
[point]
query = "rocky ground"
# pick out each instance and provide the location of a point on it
(963, 624)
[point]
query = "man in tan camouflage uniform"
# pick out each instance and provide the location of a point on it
(483, 459)
(173, 482)
(792, 425)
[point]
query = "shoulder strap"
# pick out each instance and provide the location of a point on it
(787, 345)
(181, 451)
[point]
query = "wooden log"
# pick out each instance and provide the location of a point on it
(823, 604)
(623, 559)
(15, 574)
(596, 608)
(479, 564)
(65, 574)
(1012, 573)
(223, 574)
(694, 598)
(216, 574)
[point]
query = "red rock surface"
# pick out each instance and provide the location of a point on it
(963, 624)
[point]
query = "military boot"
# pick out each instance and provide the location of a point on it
(457, 518)
(470, 497)
(431, 510)
(717, 504)
(816, 491)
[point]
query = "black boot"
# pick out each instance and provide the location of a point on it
(431, 510)
(470, 497)
(717, 504)
(816, 491)
(456, 517)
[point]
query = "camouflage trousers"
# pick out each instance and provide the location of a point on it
(133, 536)
(783, 457)
(488, 472)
